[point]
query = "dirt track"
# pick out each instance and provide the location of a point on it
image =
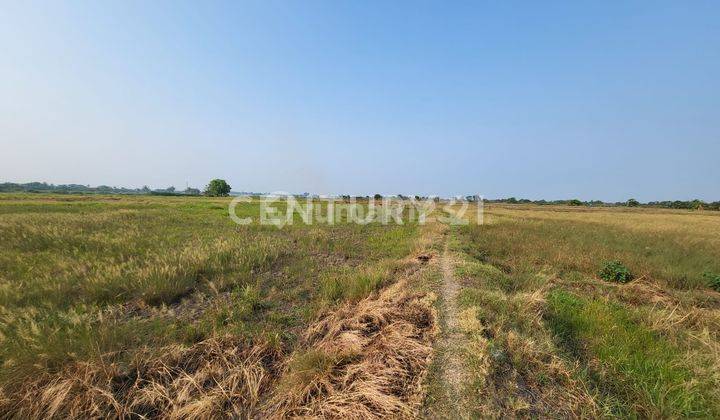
(451, 344)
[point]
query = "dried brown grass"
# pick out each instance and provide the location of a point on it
(517, 372)
(215, 378)
(527, 380)
(363, 360)
(373, 358)
(360, 360)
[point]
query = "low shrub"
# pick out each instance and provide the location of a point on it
(713, 280)
(615, 271)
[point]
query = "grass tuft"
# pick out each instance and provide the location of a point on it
(633, 363)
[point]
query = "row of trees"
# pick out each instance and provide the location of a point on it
(677, 204)
(214, 188)
(87, 189)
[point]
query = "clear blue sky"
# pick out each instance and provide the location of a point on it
(595, 100)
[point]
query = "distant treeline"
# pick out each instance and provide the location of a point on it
(43, 187)
(677, 204)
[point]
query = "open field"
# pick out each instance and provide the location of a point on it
(146, 305)
(162, 306)
(543, 335)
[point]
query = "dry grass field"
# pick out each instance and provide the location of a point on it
(159, 306)
(146, 307)
(544, 335)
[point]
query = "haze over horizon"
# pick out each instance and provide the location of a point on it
(540, 101)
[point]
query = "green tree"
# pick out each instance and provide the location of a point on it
(575, 202)
(217, 188)
(697, 204)
(633, 203)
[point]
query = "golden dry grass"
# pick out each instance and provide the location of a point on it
(219, 377)
(364, 360)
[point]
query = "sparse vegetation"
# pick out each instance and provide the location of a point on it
(161, 306)
(121, 300)
(543, 338)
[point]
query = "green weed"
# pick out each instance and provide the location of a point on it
(713, 280)
(636, 365)
(615, 271)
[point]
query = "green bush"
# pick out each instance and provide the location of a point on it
(713, 280)
(615, 271)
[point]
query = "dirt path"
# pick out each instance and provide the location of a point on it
(453, 376)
